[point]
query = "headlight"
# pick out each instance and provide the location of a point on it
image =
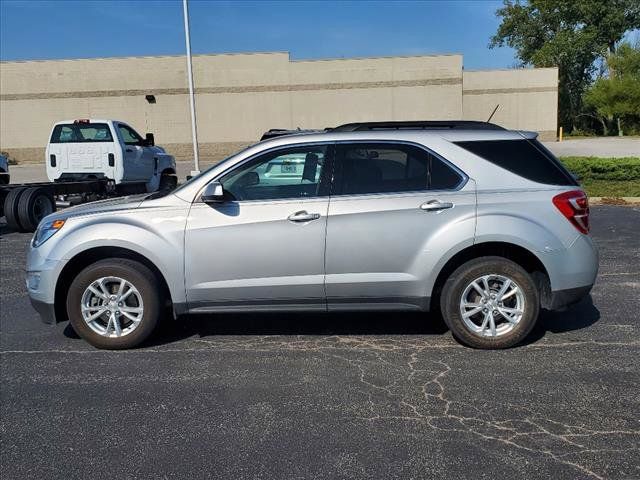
(45, 231)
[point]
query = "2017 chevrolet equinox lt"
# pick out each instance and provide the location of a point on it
(477, 221)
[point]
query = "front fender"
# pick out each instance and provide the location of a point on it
(159, 238)
(166, 161)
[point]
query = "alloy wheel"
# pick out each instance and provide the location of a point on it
(492, 305)
(112, 307)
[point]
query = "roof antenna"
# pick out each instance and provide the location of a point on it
(493, 113)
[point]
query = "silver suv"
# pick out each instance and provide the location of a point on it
(479, 222)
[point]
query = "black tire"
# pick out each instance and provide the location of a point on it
(462, 277)
(167, 182)
(34, 205)
(11, 203)
(140, 277)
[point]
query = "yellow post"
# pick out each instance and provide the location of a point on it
(560, 136)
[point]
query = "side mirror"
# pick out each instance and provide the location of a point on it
(213, 193)
(149, 140)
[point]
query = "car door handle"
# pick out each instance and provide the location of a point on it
(303, 216)
(435, 206)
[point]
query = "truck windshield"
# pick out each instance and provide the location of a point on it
(81, 133)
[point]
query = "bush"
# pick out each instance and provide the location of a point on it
(596, 168)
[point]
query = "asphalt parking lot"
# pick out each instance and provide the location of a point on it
(330, 396)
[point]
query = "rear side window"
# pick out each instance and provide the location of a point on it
(81, 133)
(363, 168)
(527, 158)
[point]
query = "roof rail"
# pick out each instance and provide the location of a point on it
(278, 132)
(418, 125)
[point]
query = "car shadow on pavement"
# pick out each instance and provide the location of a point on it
(325, 324)
(307, 323)
(577, 317)
(581, 315)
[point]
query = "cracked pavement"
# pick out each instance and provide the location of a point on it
(330, 396)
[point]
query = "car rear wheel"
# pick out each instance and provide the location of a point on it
(490, 302)
(114, 304)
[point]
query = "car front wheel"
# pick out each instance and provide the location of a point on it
(490, 302)
(114, 303)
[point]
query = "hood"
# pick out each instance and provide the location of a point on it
(130, 202)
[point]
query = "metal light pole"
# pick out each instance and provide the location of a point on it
(192, 103)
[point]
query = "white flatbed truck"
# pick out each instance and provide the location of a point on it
(87, 160)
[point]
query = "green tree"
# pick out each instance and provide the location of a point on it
(571, 35)
(618, 96)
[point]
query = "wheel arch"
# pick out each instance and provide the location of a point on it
(511, 251)
(85, 258)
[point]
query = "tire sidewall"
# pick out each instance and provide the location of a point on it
(463, 276)
(135, 273)
(167, 182)
(11, 204)
(26, 214)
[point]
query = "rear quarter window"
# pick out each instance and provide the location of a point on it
(526, 158)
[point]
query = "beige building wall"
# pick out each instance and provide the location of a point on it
(240, 96)
(527, 99)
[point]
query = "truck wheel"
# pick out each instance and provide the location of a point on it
(11, 202)
(168, 182)
(114, 303)
(490, 302)
(34, 205)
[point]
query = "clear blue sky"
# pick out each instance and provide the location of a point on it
(307, 29)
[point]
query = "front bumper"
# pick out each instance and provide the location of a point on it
(42, 276)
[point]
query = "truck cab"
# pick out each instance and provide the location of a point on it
(88, 149)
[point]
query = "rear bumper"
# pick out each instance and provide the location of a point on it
(564, 298)
(45, 310)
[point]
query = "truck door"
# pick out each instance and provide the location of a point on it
(138, 160)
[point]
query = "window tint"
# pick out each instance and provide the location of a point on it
(383, 167)
(81, 133)
(527, 158)
(289, 173)
(129, 135)
(442, 177)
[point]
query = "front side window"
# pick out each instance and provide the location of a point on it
(129, 135)
(296, 172)
(81, 133)
(364, 168)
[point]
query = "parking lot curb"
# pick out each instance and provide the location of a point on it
(614, 200)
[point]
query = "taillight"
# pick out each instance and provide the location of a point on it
(574, 205)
